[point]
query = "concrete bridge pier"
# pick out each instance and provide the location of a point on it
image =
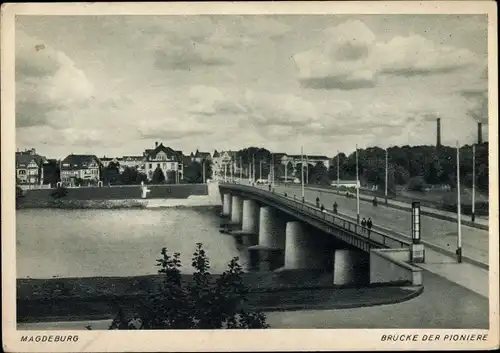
(236, 209)
(306, 248)
(350, 267)
(250, 222)
(268, 254)
(226, 205)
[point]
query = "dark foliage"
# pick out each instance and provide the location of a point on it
(204, 303)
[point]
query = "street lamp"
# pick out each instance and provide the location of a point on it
(459, 209)
(302, 170)
(386, 172)
(473, 215)
(357, 186)
(338, 171)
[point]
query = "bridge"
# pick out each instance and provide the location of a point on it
(286, 233)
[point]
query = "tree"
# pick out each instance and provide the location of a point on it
(319, 174)
(193, 173)
(203, 303)
(59, 192)
(111, 173)
(416, 184)
(130, 176)
(158, 176)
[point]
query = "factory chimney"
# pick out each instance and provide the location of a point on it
(479, 133)
(438, 143)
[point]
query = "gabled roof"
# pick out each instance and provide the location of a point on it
(175, 155)
(79, 161)
(216, 154)
(203, 155)
(23, 160)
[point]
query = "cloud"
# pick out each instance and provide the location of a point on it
(46, 81)
(416, 55)
(189, 56)
(350, 57)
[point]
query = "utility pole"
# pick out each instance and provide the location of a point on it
(473, 215)
(241, 170)
(253, 168)
(302, 170)
(203, 172)
(272, 170)
(459, 209)
(338, 171)
(386, 173)
(260, 169)
(307, 170)
(357, 186)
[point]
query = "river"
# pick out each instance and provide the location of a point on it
(81, 243)
(125, 242)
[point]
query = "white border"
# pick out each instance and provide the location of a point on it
(259, 340)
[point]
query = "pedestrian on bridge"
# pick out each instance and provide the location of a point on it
(335, 207)
(317, 201)
(369, 224)
(363, 225)
(322, 208)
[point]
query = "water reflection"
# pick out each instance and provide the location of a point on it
(82, 243)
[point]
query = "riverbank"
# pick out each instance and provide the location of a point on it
(98, 298)
(117, 204)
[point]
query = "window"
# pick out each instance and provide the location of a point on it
(150, 165)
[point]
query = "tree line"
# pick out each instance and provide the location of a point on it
(411, 166)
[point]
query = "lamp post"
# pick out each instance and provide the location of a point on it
(203, 165)
(386, 172)
(272, 170)
(473, 215)
(459, 209)
(307, 170)
(357, 186)
(302, 170)
(338, 171)
(241, 170)
(260, 169)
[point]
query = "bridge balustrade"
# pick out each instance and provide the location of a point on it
(384, 239)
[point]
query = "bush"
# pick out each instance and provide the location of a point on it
(204, 303)
(416, 184)
(59, 193)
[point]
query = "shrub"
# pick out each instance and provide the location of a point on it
(204, 303)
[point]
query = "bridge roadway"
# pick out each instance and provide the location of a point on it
(349, 231)
(473, 275)
(440, 232)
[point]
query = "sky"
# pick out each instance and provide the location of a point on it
(114, 85)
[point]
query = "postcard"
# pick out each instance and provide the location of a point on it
(249, 176)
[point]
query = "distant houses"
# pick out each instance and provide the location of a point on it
(168, 160)
(77, 169)
(29, 167)
(84, 169)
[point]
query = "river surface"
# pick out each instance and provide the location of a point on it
(85, 243)
(81, 243)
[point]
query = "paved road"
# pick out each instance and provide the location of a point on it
(437, 231)
(443, 304)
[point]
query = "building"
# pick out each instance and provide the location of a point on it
(309, 159)
(29, 167)
(136, 162)
(80, 168)
(223, 163)
(199, 157)
(106, 161)
(165, 158)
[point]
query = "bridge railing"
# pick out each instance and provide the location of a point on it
(384, 239)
